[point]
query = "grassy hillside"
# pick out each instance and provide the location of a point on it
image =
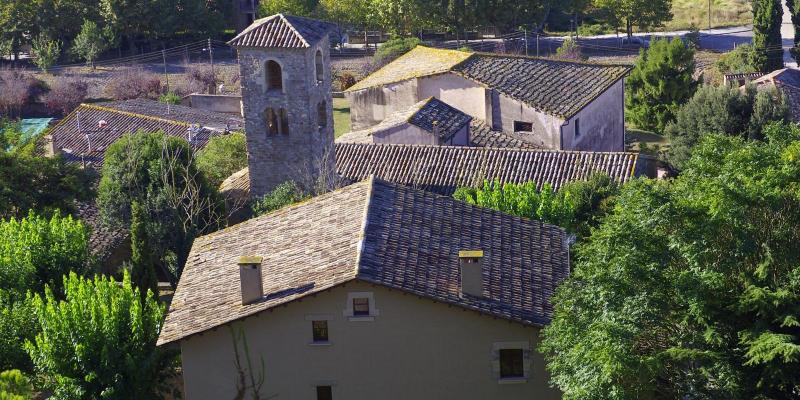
(723, 13)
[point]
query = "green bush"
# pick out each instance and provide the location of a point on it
(284, 194)
(570, 51)
(17, 323)
(100, 343)
(739, 60)
(222, 156)
(46, 51)
(661, 81)
(35, 251)
(392, 49)
(594, 29)
(170, 98)
(14, 386)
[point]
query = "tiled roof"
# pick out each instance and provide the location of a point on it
(127, 117)
(281, 30)
(481, 135)
(375, 232)
(420, 61)
(423, 115)
(436, 115)
(442, 169)
(788, 81)
(103, 241)
(560, 88)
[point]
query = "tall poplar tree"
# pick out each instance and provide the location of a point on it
(767, 48)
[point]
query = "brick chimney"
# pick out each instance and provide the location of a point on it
(471, 263)
(250, 279)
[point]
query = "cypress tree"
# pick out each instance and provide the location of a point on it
(767, 50)
(143, 273)
(794, 9)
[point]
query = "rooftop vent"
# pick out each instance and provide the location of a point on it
(471, 263)
(250, 279)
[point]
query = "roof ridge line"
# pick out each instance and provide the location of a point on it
(286, 21)
(364, 224)
(133, 114)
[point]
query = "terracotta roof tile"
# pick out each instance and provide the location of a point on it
(284, 31)
(376, 232)
(420, 61)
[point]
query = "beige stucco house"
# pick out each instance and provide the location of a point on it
(373, 291)
(556, 105)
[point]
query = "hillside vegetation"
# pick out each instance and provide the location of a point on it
(723, 13)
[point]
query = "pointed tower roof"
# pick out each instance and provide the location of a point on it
(283, 31)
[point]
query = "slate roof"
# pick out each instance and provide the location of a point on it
(420, 61)
(285, 31)
(424, 115)
(559, 88)
(376, 232)
(130, 116)
(482, 135)
(442, 169)
(788, 81)
(103, 241)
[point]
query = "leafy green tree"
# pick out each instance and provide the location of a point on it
(160, 173)
(392, 49)
(14, 386)
(641, 13)
(46, 51)
(90, 42)
(222, 156)
(17, 323)
(36, 251)
(690, 287)
(100, 342)
(661, 81)
(767, 45)
(570, 51)
(283, 195)
(18, 19)
(738, 60)
(722, 110)
(142, 266)
(302, 8)
(40, 184)
(524, 200)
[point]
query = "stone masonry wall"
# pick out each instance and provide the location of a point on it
(306, 152)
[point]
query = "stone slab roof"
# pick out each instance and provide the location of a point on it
(103, 241)
(285, 31)
(420, 61)
(442, 169)
(559, 88)
(376, 232)
(482, 135)
(787, 80)
(82, 138)
(425, 115)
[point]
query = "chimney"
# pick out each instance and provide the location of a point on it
(51, 150)
(250, 279)
(471, 263)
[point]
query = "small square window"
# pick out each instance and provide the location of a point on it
(324, 393)
(320, 330)
(360, 306)
(520, 126)
(511, 364)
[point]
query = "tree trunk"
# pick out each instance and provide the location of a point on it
(629, 28)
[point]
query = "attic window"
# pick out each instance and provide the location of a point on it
(360, 306)
(521, 126)
(511, 363)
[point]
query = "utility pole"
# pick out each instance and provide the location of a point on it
(166, 75)
(525, 32)
(537, 44)
(211, 58)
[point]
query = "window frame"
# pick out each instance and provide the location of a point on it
(526, 124)
(271, 76)
(497, 361)
(358, 309)
(577, 128)
(517, 364)
(349, 311)
(314, 331)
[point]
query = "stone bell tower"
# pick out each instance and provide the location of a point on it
(284, 62)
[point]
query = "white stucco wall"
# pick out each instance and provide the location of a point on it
(413, 349)
(370, 106)
(602, 123)
(404, 134)
(546, 127)
(463, 94)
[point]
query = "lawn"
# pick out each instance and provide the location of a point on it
(723, 13)
(645, 141)
(341, 117)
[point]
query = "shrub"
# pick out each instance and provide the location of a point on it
(594, 29)
(170, 98)
(693, 37)
(343, 80)
(202, 79)
(65, 95)
(661, 81)
(18, 88)
(100, 342)
(222, 156)
(14, 386)
(36, 251)
(45, 51)
(570, 51)
(17, 323)
(392, 49)
(133, 83)
(738, 60)
(90, 42)
(284, 194)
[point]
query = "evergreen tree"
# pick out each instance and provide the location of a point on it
(767, 46)
(661, 81)
(143, 272)
(794, 9)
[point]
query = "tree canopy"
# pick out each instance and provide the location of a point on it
(222, 156)
(690, 287)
